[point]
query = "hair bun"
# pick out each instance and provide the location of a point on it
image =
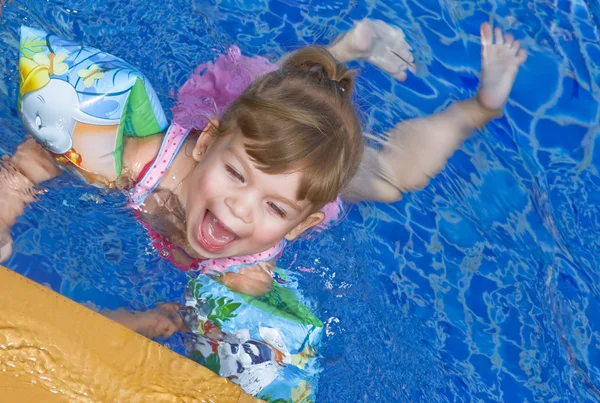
(318, 62)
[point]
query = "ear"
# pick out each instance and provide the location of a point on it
(206, 139)
(309, 222)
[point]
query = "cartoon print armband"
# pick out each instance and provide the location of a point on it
(79, 102)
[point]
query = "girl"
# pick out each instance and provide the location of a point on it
(267, 136)
(266, 172)
(271, 139)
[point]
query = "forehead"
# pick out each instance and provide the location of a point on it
(284, 184)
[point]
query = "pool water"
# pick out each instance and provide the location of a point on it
(482, 287)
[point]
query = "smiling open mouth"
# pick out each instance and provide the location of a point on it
(213, 235)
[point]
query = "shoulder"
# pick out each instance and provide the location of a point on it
(139, 151)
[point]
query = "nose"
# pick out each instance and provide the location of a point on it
(240, 205)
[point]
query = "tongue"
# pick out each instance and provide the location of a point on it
(214, 232)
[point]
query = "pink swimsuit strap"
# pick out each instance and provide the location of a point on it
(174, 139)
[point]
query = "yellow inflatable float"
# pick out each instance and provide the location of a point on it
(55, 350)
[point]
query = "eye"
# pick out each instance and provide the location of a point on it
(276, 209)
(38, 121)
(234, 173)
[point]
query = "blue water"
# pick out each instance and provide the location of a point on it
(483, 287)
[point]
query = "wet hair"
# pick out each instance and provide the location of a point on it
(300, 118)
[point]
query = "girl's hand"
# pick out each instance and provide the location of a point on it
(255, 281)
(162, 321)
(19, 177)
(35, 162)
(380, 44)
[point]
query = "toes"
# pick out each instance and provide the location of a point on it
(516, 45)
(508, 40)
(486, 34)
(499, 36)
(521, 56)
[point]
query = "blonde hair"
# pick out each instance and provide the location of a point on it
(301, 118)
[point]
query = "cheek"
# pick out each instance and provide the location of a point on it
(271, 231)
(207, 184)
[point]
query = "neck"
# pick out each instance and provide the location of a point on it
(176, 179)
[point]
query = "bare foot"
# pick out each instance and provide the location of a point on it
(380, 44)
(501, 57)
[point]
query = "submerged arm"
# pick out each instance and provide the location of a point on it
(418, 149)
(415, 151)
(20, 176)
(162, 321)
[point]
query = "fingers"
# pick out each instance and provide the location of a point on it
(162, 321)
(165, 328)
(521, 56)
(167, 320)
(520, 53)
(486, 34)
(406, 58)
(499, 36)
(168, 308)
(402, 76)
(172, 324)
(386, 48)
(496, 37)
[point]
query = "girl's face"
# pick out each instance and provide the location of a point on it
(234, 209)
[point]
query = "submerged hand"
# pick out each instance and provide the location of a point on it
(255, 281)
(162, 321)
(379, 43)
(501, 57)
(35, 162)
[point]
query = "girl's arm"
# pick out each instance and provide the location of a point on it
(418, 149)
(414, 151)
(32, 164)
(162, 321)
(20, 176)
(378, 43)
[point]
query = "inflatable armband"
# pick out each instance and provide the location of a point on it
(79, 102)
(267, 344)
